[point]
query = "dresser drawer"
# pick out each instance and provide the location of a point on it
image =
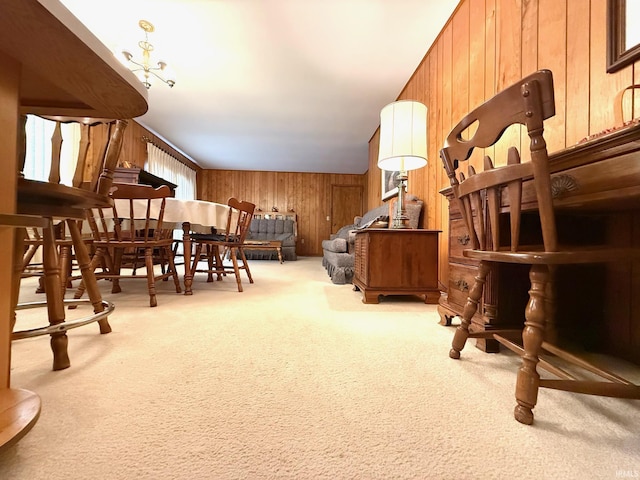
(458, 240)
(461, 278)
(610, 183)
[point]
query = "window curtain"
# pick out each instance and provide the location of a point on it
(165, 166)
(38, 153)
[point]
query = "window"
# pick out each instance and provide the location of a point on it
(38, 151)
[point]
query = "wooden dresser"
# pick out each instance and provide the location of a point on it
(596, 189)
(396, 262)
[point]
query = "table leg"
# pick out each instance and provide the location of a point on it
(186, 245)
(279, 249)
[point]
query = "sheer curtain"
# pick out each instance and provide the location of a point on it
(38, 155)
(165, 166)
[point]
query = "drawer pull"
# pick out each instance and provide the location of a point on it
(463, 239)
(462, 285)
(561, 184)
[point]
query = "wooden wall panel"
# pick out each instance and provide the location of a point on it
(530, 34)
(134, 146)
(308, 194)
(577, 83)
(604, 87)
(508, 63)
(501, 41)
(552, 28)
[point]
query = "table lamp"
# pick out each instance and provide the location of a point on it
(403, 146)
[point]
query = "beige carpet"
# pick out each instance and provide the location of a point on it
(297, 379)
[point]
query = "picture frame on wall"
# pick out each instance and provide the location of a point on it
(389, 184)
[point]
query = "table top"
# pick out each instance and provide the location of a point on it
(177, 211)
(65, 69)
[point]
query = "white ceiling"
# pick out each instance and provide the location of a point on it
(273, 85)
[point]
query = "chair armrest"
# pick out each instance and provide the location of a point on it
(337, 245)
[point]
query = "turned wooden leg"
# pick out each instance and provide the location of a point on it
(55, 305)
(65, 267)
(93, 264)
(151, 282)
(217, 260)
(528, 381)
(172, 267)
(236, 269)
(18, 267)
(470, 309)
(245, 264)
(210, 263)
(186, 252)
(115, 269)
(88, 276)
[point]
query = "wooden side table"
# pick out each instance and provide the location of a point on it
(396, 262)
(265, 245)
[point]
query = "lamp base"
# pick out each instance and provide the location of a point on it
(400, 218)
(400, 221)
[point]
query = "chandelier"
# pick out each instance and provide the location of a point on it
(143, 67)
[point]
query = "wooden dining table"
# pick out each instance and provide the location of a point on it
(51, 64)
(189, 215)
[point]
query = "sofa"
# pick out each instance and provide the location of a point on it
(283, 228)
(338, 251)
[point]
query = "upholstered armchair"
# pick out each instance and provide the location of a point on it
(338, 252)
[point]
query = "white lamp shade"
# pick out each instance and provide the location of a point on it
(403, 136)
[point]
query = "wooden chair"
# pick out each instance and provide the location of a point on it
(485, 199)
(230, 242)
(56, 202)
(134, 224)
(33, 242)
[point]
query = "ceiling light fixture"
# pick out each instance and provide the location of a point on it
(143, 67)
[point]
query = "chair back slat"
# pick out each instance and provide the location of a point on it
(532, 93)
(528, 102)
(238, 220)
(56, 150)
(83, 149)
(493, 208)
(143, 219)
(109, 161)
(514, 189)
(106, 136)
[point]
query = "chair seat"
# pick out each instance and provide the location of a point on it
(574, 256)
(133, 243)
(212, 237)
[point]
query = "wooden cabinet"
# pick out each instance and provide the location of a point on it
(396, 262)
(461, 277)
